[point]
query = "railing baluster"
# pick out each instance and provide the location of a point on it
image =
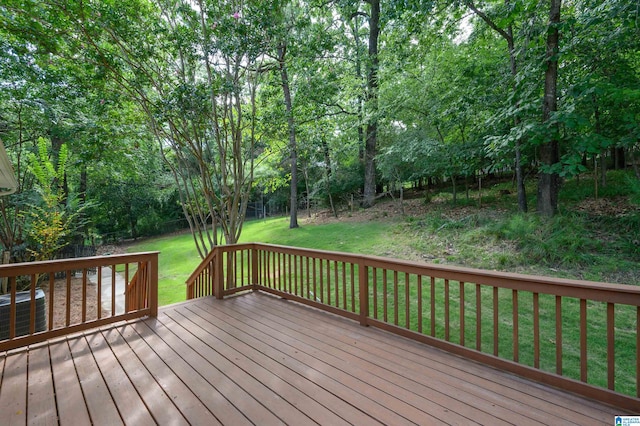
(84, 295)
(68, 320)
(242, 280)
(446, 310)
(52, 297)
(277, 271)
(32, 305)
(516, 345)
(462, 313)
(99, 291)
(308, 277)
(536, 331)
(395, 297)
(496, 322)
(353, 289)
(126, 293)
(113, 290)
(559, 335)
(328, 272)
(344, 285)
(419, 295)
(583, 340)
(315, 280)
(433, 306)
(268, 269)
(363, 291)
(385, 298)
(321, 271)
(337, 283)
(12, 310)
(611, 342)
(407, 304)
(478, 317)
(375, 292)
(290, 272)
(638, 351)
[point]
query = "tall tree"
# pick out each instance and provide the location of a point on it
(293, 148)
(190, 68)
(507, 34)
(549, 179)
(371, 99)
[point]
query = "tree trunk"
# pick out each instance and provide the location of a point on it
(356, 37)
(372, 107)
(293, 149)
(634, 163)
(549, 182)
(327, 170)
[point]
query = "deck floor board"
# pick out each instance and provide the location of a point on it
(41, 399)
(13, 393)
(432, 393)
(100, 403)
(69, 396)
(257, 359)
(358, 378)
(479, 385)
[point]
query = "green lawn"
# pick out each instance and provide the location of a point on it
(178, 255)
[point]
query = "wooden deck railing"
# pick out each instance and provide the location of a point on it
(65, 296)
(580, 336)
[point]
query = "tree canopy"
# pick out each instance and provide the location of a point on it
(187, 112)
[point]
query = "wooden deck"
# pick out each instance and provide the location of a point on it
(257, 359)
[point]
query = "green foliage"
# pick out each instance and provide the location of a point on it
(52, 222)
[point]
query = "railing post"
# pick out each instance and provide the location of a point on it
(254, 268)
(363, 284)
(152, 276)
(218, 279)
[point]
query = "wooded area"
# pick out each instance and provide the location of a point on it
(133, 118)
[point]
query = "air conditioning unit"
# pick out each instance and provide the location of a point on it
(23, 313)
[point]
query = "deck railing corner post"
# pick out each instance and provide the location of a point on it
(218, 278)
(254, 268)
(153, 285)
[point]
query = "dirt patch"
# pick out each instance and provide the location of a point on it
(76, 296)
(382, 210)
(616, 207)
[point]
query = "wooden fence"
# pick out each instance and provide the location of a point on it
(577, 335)
(54, 298)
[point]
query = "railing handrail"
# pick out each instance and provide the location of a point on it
(536, 283)
(202, 265)
(144, 305)
(46, 266)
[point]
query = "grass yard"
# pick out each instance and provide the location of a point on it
(179, 257)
